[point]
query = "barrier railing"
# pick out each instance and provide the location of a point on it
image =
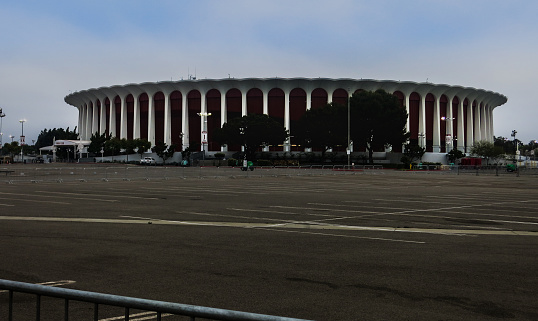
(128, 303)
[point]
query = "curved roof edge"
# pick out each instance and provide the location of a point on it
(496, 99)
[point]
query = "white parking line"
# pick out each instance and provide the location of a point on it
(34, 201)
(142, 316)
(275, 212)
(51, 283)
(99, 195)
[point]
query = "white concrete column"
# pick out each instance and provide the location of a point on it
(490, 123)
(203, 120)
(102, 116)
(83, 121)
(223, 109)
(88, 121)
(136, 118)
(244, 111)
(265, 102)
(330, 96)
(112, 124)
(308, 99)
(151, 119)
(167, 120)
(123, 117)
(437, 125)
(80, 121)
(449, 125)
(95, 119)
(477, 120)
(483, 122)
(461, 124)
(265, 93)
(287, 117)
(407, 109)
(184, 121)
(223, 116)
(470, 134)
(422, 121)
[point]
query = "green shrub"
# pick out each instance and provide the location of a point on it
(264, 162)
(233, 162)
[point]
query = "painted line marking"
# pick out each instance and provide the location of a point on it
(410, 213)
(324, 209)
(476, 207)
(99, 195)
(34, 201)
(288, 225)
(271, 227)
(50, 283)
(134, 317)
(275, 212)
(71, 198)
(510, 205)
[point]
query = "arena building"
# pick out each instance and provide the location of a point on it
(441, 117)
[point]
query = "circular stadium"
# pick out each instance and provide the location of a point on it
(441, 117)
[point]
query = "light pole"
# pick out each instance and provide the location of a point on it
(348, 128)
(448, 139)
(11, 136)
(22, 138)
(514, 132)
(204, 130)
(421, 137)
(2, 115)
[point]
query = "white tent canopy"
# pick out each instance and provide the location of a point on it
(60, 143)
(79, 144)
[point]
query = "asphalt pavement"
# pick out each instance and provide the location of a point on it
(374, 245)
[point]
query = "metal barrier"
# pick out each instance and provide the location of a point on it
(128, 303)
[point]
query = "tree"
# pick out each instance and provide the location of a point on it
(97, 142)
(46, 137)
(12, 148)
(486, 150)
(252, 131)
(164, 151)
(113, 146)
(377, 119)
(142, 144)
(454, 155)
(411, 153)
(322, 128)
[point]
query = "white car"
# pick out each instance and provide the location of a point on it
(148, 161)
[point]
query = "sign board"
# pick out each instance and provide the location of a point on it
(204, 137)
(22, 141)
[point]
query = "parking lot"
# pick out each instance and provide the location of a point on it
(375, 244)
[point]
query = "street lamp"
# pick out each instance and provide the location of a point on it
(421, 137)
(514, 132)
(11, 136)
(204, 130)
(2, 115)
(348, 129)
(448, 138)
(22, 138)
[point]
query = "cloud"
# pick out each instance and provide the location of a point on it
(61, 46)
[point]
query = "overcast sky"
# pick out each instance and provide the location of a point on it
(49, 49)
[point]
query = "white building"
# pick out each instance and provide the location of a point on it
(178, 111)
